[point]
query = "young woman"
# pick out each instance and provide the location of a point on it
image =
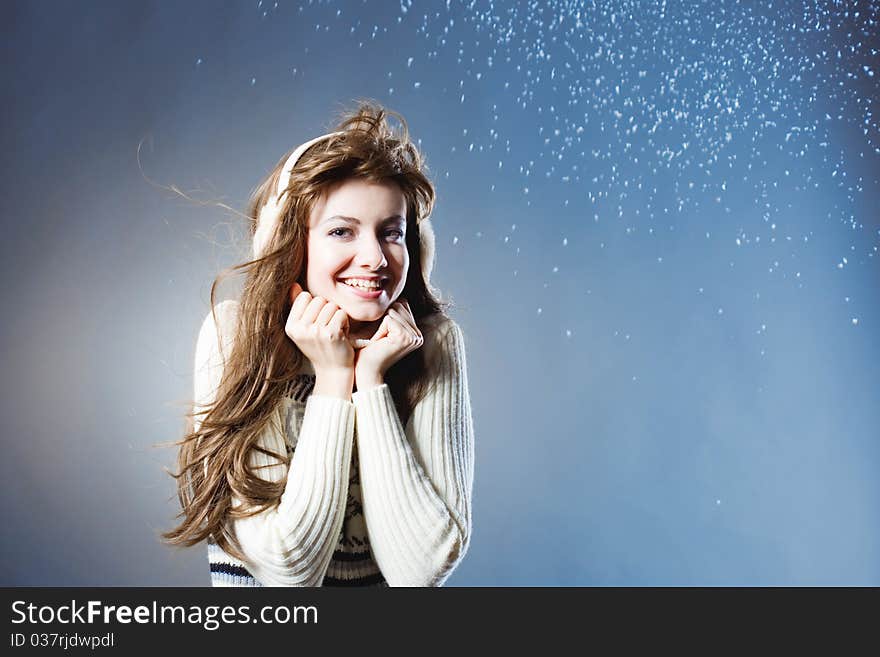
(332, 439)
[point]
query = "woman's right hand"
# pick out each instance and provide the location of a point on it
(320, 329)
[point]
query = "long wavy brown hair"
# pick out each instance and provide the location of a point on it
(214, 455)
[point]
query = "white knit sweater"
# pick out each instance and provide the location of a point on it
(394, 510)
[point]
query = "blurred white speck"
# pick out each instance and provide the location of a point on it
(555, 269)
(455, 239)
(564, 241)
(567, 333)
(417, 84)
(717, 502)
(539, 311)
(721, 311)
(855, 321)
(253, 81)
(199, 61)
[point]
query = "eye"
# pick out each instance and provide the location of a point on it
(397, 233)
(336, 230)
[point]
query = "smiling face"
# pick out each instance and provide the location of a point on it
(358, 231)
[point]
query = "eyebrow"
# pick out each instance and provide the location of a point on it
(353, 220)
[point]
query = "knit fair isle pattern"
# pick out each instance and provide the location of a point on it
(352, 563)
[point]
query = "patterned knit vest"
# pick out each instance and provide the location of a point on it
(352, 563)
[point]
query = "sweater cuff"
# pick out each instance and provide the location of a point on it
(328, 402)
(375, 408)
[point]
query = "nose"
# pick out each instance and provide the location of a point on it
(370, 254)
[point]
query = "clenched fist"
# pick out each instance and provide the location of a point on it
(398, 335)
(320, 329)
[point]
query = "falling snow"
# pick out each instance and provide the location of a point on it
(653, 123)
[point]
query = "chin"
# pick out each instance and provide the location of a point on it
(364, 316)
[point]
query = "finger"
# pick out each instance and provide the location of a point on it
(397, 328)
(407, 325)
(311, 312)
(300, 304)
(396, 316)
(412, 339)
(405, 311)
(326, 314)
(339, 321)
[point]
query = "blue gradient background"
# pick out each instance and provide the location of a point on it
(657, 222)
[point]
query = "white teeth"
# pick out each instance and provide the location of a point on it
(363, 284)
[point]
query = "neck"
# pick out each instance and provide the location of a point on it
(363, 330)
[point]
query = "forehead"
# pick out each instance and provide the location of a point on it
(364, 200)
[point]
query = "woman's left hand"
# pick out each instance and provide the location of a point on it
(397, 336)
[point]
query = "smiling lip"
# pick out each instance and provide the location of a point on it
(362, 293)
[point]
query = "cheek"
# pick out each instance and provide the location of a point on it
(321, 262)
(404, 265)
(401, 256)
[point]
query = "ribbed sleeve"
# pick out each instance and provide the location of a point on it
(292, 544)
(212, 349)
(417, 481)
